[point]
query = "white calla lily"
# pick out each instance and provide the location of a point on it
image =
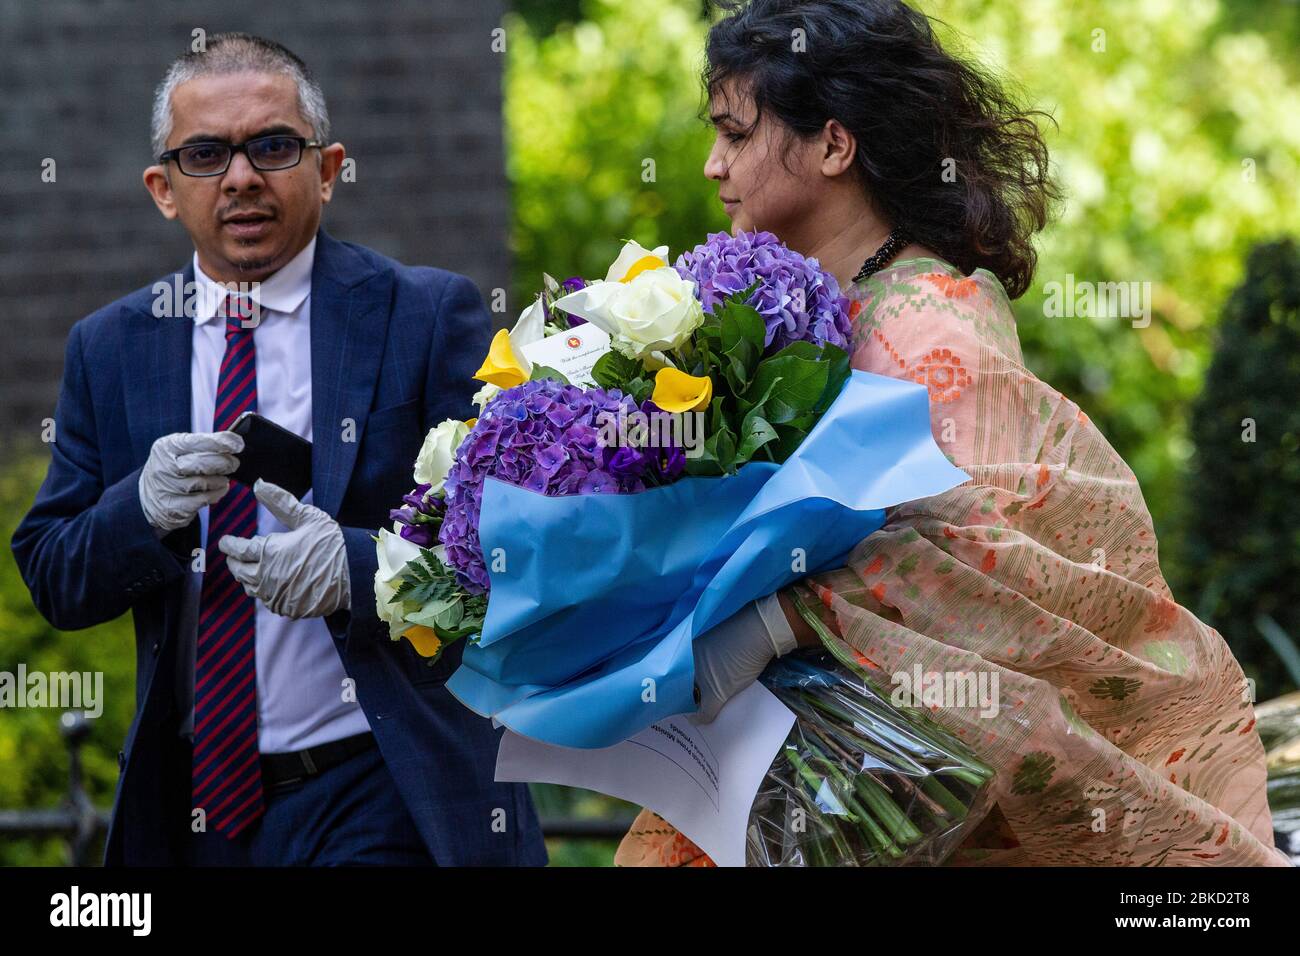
(631, 254)
(393, 552)
(530, 327)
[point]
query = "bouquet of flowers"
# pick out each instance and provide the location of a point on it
(711, 446)
(859, 782)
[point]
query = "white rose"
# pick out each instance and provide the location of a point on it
(438, 453)
(655, 310)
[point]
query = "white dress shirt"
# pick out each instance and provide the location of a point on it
(300, 678)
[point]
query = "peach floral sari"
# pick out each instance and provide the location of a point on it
(1125, 734)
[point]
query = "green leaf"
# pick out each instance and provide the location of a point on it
(640, 389)
(429, 614)
(788, 438)
(803, 350)
(716, 417)
(746, 403)
(740, 361)
(721, 447)
(755, 432)
(703, 466)
(705, 463)
(739, 298)
(800, 384)
(426, 580)
(838, 372)
(742, 323)
(450, 617)
(615, 370)
(545, 371)
(740, 346)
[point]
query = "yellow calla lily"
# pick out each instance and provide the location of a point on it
(423, 639)
(675, 391)
(641, 265)
(471, 422)
(502, 367)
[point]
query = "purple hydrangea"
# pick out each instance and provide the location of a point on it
(724, 265)
(541, 435)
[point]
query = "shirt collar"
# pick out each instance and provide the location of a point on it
(283, 291)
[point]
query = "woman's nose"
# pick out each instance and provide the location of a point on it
(714, 167)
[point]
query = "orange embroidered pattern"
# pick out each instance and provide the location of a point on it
(942, 373)
(953, 288)
(940, 370)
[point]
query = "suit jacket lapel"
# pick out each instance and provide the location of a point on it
(156, 378)
(350, 302)
(156, 365)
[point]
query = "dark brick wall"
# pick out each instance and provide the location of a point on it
(414, 91)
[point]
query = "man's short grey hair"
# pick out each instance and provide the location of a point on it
(238, 53)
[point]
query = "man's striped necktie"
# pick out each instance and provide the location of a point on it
(226, 779)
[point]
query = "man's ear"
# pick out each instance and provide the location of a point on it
(331, 161)
(160, 188)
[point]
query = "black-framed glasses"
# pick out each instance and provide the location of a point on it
(265, 153)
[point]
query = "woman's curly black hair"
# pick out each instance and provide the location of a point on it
(917, 113)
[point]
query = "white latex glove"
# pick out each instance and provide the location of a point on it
(730, 657)
(185, 473)
(302, 572)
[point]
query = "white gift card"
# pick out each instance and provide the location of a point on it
(701, 778)
(572, 353)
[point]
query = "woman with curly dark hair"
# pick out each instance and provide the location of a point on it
(1124, 729)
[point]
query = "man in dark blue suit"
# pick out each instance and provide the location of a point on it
(276, 721)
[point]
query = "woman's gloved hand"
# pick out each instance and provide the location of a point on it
(730, 657)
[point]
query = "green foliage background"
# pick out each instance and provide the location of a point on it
(33, 757)
(1178, 143)
(1246, 431)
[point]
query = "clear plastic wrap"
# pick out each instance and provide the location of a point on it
(1278, 723)
(860, 782)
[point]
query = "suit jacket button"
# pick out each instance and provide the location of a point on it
(155, 648)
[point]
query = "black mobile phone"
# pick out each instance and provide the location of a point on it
(272, 453)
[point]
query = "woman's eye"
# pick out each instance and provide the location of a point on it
(734, 137)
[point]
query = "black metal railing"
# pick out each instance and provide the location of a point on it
(78, 821)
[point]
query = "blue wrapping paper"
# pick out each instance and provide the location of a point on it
(596, 598)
